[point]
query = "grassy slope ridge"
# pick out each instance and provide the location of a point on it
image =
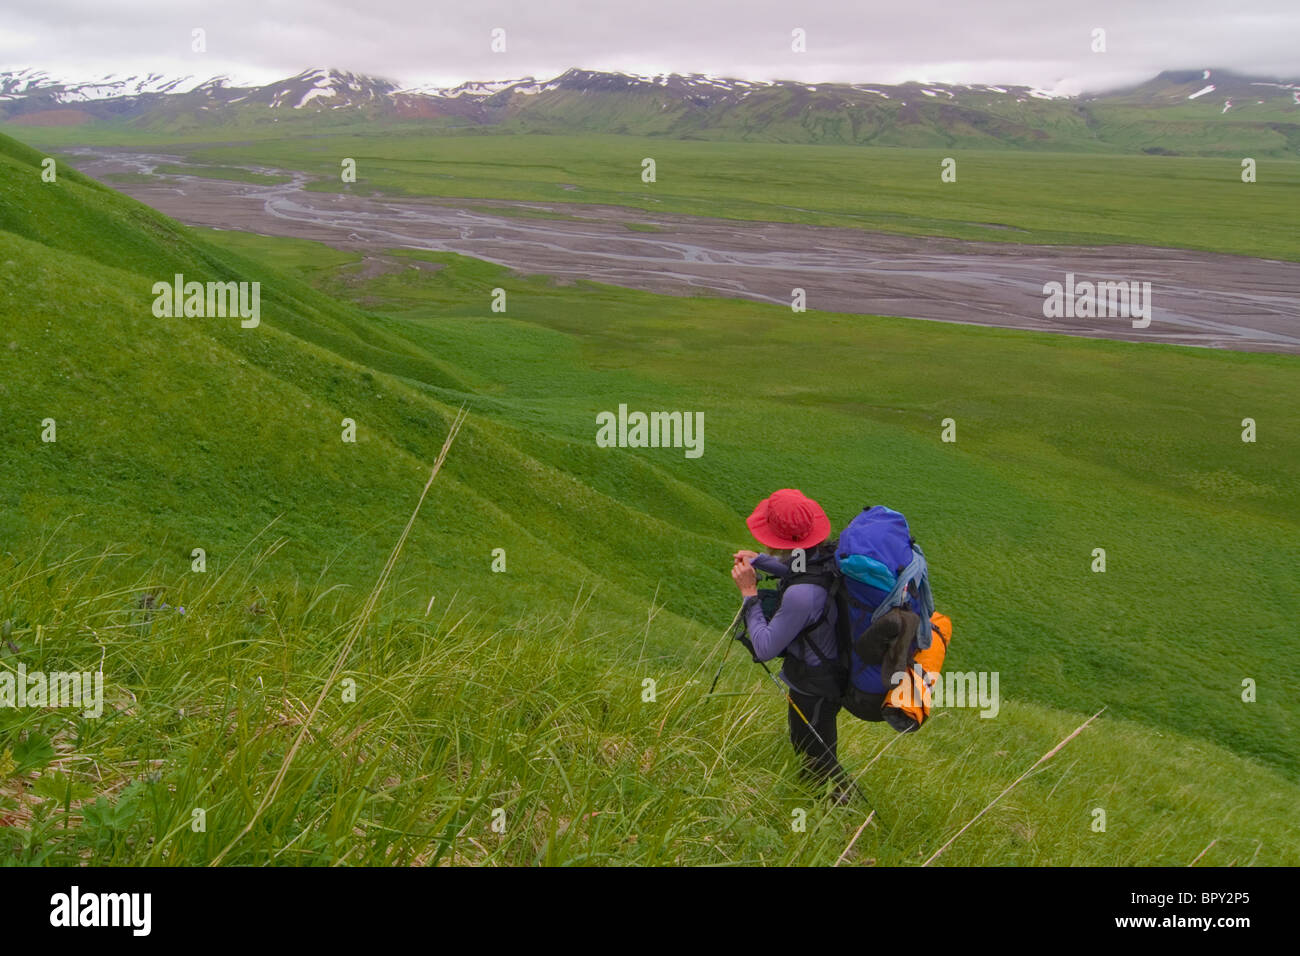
(166, 408)
(176, 434)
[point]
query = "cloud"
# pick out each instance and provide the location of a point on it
(1045, 44)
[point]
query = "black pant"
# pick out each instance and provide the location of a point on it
(820, 763)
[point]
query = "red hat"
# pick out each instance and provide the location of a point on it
(789, 519)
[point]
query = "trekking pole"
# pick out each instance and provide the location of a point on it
(737, 636)
(718, 675)
(734, 636)
(739, 629)
(785, 692)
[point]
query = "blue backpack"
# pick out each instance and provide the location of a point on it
(882, 567)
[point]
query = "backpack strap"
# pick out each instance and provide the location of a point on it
(917, 572)
(823, 571)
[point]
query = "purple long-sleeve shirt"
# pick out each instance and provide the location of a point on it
(800, 606)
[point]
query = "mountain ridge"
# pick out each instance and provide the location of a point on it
(1193, 111)
(28, 83)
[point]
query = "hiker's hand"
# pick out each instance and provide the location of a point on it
(746, 556)
(746, 579)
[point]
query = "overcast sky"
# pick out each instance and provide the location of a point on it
(1043, 43)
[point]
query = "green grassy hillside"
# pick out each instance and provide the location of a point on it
(523, 691)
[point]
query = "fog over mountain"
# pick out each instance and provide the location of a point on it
(1050, 46)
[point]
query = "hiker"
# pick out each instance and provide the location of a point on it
(803, 628)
